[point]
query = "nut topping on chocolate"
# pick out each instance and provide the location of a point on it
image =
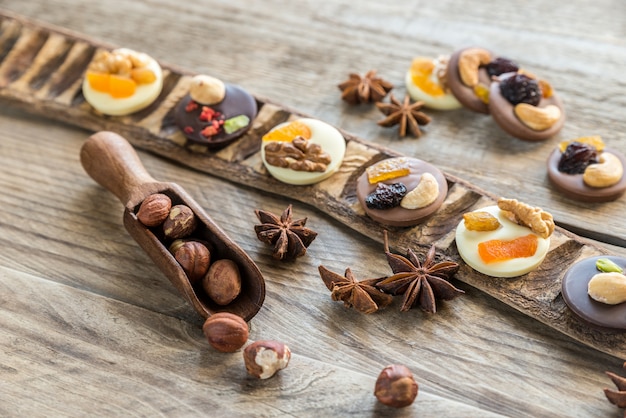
(539, 221)
(408, 115)
(360, 295)
(300, 155)
(365, 89)
(290, 238)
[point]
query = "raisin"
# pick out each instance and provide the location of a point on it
(500, 66)
(577, 157)
(386, 196)
(480, 221)
(520, 88)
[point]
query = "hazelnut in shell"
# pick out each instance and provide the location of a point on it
(226, 332)
(194, 258)
(154, 209)
(180, 222)
(207, 90)
(265, 357)
(396, 386)
(222, 283)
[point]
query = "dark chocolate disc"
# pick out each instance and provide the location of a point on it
(237, 101)
(575, 293)
(463, 93)
(399, 216)
(503, 113)
(573, 186)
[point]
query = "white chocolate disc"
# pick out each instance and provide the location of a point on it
(331, 141)
(467, 244)
(444, 102)
(144, 95)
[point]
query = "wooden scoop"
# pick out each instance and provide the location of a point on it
(112, 162)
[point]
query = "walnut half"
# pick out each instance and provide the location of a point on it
(299, 155)
(539, 221)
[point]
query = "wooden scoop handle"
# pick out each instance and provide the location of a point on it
(113, 163)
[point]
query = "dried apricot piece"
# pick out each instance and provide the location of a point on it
(546, 89)
(480, 221)
(98, 81)
(593, 140)
(497, 250)
(482, 92)
(288, 132)
(388, 169)
(421, 70)
(121, 87)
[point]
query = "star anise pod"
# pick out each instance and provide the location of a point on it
(617, 397)
(360, 295)
(366, 89)
(290, 238)
(421, 283)
(407, 114)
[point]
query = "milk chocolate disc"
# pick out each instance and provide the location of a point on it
(573, 186)
(236, 102)
(465, 94)
(575, 294)
(399, 216)
(503, 113)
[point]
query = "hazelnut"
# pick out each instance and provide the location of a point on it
(226, 332)
(193, 256)
(154, 209)
(179, 223)
(222, 282)
(207, 90)
(264, 358)
(396, 387)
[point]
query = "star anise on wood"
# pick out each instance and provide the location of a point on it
(421, 283)
(290, 238)
(366, 89)
(407, 114)
(617, 397)
(360, 295)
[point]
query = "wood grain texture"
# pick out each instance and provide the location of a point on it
(88, 319)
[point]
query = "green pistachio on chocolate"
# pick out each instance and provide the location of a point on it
(235, 123)
(607, 266)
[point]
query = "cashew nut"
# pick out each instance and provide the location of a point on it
(537, 118)
(425, 193)
(469, 62)
(607, 172)
(609, 288)
(207, 90)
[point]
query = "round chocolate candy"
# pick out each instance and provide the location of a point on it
(465, 94)
(573, 186)
(503, 113)
(575, 293)
(398, 215)
(198, 125)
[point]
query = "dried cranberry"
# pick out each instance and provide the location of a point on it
(520, 88)
(500, 66)
(577, 157)
(386, 196)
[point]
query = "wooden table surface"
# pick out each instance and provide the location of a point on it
(88, 325)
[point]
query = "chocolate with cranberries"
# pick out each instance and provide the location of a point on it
(214, 113)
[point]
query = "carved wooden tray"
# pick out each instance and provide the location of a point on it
(41, 70)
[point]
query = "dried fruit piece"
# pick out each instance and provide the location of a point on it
(288, 132)
(121, 86)
(482, 92)
(501, 65)
(496, 250)
(480, 221)
(386, 196)
(520, 88)
(577, 157)
(546, 89)
(421, 71)
(607, 266)
(98, 81)
(593, 140)
(388, 169)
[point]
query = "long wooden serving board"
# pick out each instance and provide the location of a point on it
(41, 71)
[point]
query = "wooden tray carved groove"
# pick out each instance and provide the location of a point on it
(41, 70)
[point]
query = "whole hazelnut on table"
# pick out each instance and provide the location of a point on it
(222, 283)
(180, 222)
(207, 90)
(154, 209)
(396, 386)
(226, 332)
(264, 358)
(193, 256)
